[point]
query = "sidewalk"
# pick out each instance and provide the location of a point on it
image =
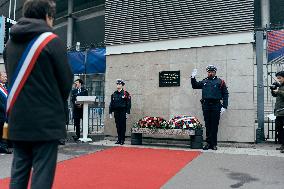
(233, 165)
(263, 149)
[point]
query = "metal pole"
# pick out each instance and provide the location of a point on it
(260, 87)
(265, 13)
(70, 24)
(85, 64)
(10, 5)
(15, 4)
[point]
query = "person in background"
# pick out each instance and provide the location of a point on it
(120, 104)
(4, 148)
(278, 91)
(37, 118)
(79, 90)
(214, 90)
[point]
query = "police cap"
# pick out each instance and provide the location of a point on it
(211, 68)
(120, 81)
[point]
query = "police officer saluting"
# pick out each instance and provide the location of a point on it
(120, 104)
(214, 90)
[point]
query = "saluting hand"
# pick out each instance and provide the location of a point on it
(222, 111)
(194, 73)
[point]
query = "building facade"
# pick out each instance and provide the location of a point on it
(144, 38)
(87, 17)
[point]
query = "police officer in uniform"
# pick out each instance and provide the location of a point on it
(214, 90)
(79, 90)
(120, 104)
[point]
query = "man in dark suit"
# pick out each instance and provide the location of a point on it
(78, 108)
(3, 100)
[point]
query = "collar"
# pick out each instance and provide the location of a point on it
(215, 77)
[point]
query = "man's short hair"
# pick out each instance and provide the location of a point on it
(80, 81)
(281, 73)
(38, 9)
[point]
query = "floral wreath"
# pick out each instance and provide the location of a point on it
(178, 122)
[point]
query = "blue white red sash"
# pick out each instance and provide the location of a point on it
(3, 91)
(26, 65)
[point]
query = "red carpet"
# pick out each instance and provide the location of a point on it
(120, 168)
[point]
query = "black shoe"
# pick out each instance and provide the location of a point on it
(214, 148)
(121, 143)
(206, 147)
(280, 148)
(5, 151)
(61, 142)
(75, 138)
(117, 142)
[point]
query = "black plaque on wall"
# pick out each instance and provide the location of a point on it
(169, 78)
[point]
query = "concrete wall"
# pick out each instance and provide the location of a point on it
(141, 72)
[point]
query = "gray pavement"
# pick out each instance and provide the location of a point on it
(224, 171)
(68, 151)
(244, 166)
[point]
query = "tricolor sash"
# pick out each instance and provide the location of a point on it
(26, 65)
(3, 92)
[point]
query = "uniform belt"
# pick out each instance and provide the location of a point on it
(211, 100)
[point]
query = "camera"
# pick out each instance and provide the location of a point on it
(274, 86)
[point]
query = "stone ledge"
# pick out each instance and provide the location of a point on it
(179, 132)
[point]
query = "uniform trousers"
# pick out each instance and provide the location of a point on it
(120, 121)
(39, 157)
(211, 118)
(279, 123)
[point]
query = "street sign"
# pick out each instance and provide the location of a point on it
(2, 33)
(5, 26)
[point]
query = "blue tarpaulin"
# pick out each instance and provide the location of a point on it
(275, 45)
(94, 63)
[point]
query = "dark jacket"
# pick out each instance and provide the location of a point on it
(3, 101)
(120, 101)
(279, 104)
(212, 89)
(78, 109)
(39, 112)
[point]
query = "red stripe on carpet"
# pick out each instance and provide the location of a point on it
(121, 168)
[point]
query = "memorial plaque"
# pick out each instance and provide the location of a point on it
(169, 78)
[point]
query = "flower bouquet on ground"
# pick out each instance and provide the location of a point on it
(184, 122)
(151, 123)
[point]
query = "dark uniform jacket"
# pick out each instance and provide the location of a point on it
(3, 101)
(120, 101)
(39, 111)
(279, 104)
(77, 108)
(213, 89)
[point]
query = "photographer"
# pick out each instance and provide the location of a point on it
(277, 90)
